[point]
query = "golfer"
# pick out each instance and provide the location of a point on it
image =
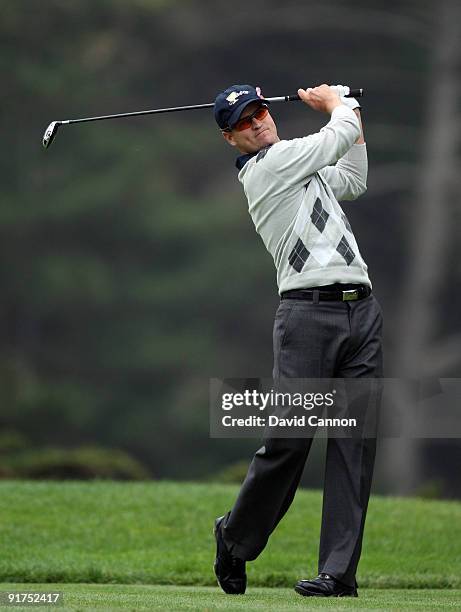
(328, 323)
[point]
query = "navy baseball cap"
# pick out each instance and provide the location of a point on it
(229, 104)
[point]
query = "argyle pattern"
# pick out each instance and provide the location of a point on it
(324, 240)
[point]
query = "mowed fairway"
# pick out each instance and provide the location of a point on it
(161, 597)
(152, 544)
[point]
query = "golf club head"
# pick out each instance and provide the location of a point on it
(50, 133)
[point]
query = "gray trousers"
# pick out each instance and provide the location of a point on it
(315, 340)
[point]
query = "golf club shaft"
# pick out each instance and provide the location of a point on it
(139, 113)
(353, 93)
(51, 130)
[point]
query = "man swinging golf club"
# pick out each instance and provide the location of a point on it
(328, 323)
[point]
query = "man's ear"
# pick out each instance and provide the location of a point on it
(230, 139)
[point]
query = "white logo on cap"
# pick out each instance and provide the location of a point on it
(234, 96)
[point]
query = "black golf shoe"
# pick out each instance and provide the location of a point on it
(325, 586)
(229, 570)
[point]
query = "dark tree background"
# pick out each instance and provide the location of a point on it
(131, 272)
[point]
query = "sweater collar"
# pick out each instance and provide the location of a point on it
(243, 159)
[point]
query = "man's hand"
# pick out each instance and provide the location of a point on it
(322, 98)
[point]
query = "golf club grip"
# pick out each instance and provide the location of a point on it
(353, 93)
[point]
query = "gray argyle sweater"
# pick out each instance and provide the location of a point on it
(293, 188)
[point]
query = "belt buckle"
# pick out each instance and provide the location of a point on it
(350, 294)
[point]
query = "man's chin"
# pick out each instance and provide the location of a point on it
(266, 138)
(263, 140)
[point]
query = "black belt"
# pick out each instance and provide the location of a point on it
(352, 293)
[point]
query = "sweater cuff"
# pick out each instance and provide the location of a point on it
(343, 111)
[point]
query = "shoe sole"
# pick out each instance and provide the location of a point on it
(215, 533)
(306, 593)
(215, 528)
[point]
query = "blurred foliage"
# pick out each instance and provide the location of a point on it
(130, 271)
(119, 285)
(74, 464)
(232, 474)
(431, 489)
(12, 441)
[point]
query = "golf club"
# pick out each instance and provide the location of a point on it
(52, 129)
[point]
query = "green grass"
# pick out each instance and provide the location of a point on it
(161, 533)
(148, 597)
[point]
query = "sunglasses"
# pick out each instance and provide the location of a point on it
(247, 122)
